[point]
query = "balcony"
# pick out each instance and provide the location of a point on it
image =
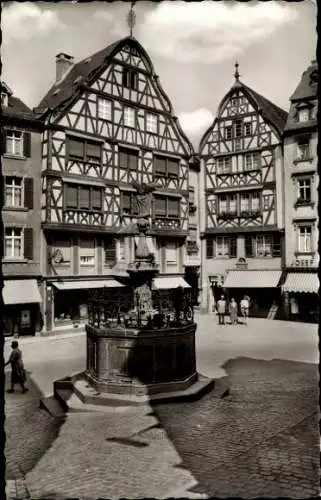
(166, 223)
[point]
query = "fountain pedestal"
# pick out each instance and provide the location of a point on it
(141, 347)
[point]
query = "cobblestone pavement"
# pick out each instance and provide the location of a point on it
(29, 430)
(261, 440)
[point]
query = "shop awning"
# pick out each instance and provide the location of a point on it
(252, 279)
(301, 282)
(167, 283)
(21, 292)
(83, 285)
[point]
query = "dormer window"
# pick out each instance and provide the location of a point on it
(4, 99)
(304, 114)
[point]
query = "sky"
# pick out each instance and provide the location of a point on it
(193, 46)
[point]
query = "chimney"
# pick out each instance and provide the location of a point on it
(63, 63)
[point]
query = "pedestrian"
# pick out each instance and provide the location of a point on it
(18, 373)
(221, 309)
(232, 308)
(244, 306)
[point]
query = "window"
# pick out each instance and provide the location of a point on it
(13, 243)
(83, 197)
(14, 142)
(304, 115)
(238, 128)
(104, 109)
(87, 252)
(129, 204)
(245, 202)
(151, 123)
(224, 164)
(84, 150)
(247, 129)
(304, 190)
(232, 208)
(222, 203)
(222, 246)
(110, 252)
(65, 249)
(303, 149)
(228, 132)
(304, 239)
(209, 249)
(192, 234)
(166, 167)
(129, 117)
(252, 161)
(128, 159)
(265, 245)
(13, 192)
(173, 207)
(167, 207)
(130, 78)
(225, 246)
(255, 202)
(191, 195)
(171, 254)
(160, 207)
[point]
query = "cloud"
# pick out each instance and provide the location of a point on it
(103, 15)
(196, 122)
(211, 31)
(26, 20)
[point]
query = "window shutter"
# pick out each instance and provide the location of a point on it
(122, 159)
(28, 188)
(27, 144)
(84, 198)
(126, 202)
(96, 199)
(28, 243)
(133, 161)
(248, 246)
(160, 206)
(172, 168)
(3, 141)
(276, 246)
(110, 252)
(160, 165)
(233, 249)
(173, 208)
(93, 150)
(76, 147)
(71, 197)
(209, 249)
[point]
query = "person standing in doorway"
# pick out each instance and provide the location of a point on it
(18, 373)
(244, 306)
(221, 309)
(232, 309)
(294, 308)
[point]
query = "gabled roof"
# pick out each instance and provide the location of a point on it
(80, 73)
(17, 109)
(308, 86)
(270, 111)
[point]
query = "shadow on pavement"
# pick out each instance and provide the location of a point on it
(249, 444)
(30, 430)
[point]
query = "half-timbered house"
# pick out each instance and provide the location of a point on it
(21, 174)
(243, 223)
(108, 125)
(301, 299)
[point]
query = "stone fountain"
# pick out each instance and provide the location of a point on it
(140, 343)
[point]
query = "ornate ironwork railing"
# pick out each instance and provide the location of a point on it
(110, 309)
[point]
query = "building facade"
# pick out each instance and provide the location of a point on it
(243, 224)
(109, 127)
(21, 171)
(301, 299)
